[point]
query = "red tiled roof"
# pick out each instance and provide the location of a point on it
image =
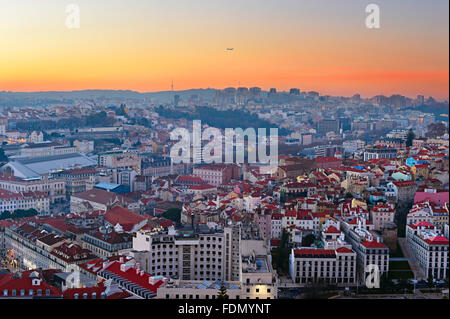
(13, 282)
(437, 240)
(126, 218)
(314, 251)
(344, 250)
(373, 244)
(133, 276)
(201, 187)
(332, 230)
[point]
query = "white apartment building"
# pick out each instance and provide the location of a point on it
(368, 246)
(335, 263)
(429, 248)
(207, 255)
(11, 202)
(34, 248)
(186, 254)
(331, 266)
(55, 188)
(276, 228)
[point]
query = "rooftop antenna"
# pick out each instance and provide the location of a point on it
(171, 87)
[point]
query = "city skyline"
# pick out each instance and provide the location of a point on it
(323, 47)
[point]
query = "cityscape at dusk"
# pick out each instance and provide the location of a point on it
(224, 158)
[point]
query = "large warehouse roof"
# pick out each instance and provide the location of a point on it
(35, 167)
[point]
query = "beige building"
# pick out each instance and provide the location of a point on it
(381, 215)
(97, 199)
(55, 188)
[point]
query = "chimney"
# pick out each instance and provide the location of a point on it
(121, 260)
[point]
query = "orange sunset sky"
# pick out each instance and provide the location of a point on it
(309, 44)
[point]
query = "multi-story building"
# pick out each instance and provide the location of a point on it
(428, 212)
(33, 248)
(107, 242)
(330, 266)
(217, 174)
(403, 191)
(209, 254)
(379, 152)
(78, 180)
(381, 215)
(186, 253)
(368, 246)
(54, 188)
(120, 159)
(45, 149)
(327, 125)
(97, 199)
(84, 147)
(333, 263)
(429, 248)
(155, 166)
(276, 228)
(129, 276)
(11, 202)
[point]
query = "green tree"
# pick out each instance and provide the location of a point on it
(20, 213)
(280, 255)
(174, 214)
(409, 138)
(222, 292)
(308, 240)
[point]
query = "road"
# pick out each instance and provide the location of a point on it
(418, 272)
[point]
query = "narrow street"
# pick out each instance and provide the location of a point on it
(418, 272)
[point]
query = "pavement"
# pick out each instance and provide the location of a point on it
(418, 272)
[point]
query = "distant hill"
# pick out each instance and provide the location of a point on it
(57, 96)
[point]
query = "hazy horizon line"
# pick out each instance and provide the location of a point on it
(440, 99)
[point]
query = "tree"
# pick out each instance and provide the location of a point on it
(222, 292)
(20, 213)
(430, 282)
(3, 157)
(436, 130)
(348, 195)
(281, 253)
(409, 138)
(308, 240)
(174, 214)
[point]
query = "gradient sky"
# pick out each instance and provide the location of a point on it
(310, 44)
